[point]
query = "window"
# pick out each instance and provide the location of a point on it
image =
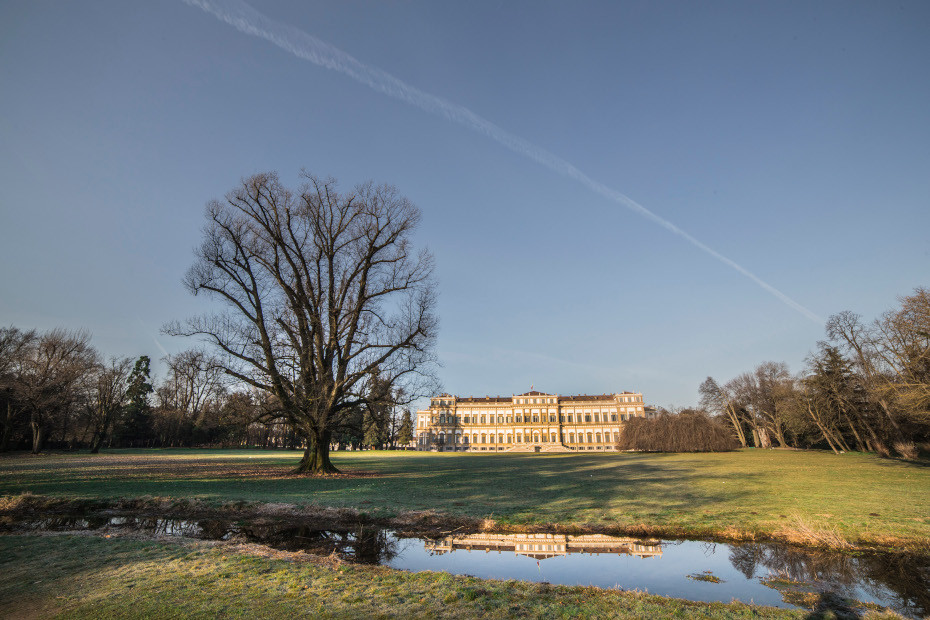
(613, 417)
(500, 419)
(569, 418)
(465, 419)
(535, 418)
(597, 438)
(509, 419)
(482, 419)
(552, 418)
(587, 417)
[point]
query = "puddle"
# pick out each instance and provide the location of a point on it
(760, 573)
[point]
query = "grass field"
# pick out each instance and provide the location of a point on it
(90, 577)
(767, 493)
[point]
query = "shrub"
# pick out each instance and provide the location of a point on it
(685, 432)
(906, 449)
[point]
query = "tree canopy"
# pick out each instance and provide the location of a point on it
(323, 293)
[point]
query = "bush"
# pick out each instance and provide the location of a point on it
(685, 432)
(906, 449)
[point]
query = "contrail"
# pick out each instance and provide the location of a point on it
(244, 18)
(157, 343)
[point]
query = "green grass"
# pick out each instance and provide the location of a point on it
(90, 577)
(763, 492)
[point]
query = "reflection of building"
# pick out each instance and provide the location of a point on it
(541, 546)
(534, 421)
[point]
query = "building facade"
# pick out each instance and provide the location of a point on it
(530, 422)
(543, 546)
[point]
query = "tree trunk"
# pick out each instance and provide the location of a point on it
(38, 437)
(823, 429)
(316, 456)
(95, 443)
(860, 446)
(7, 429)
(737, 425)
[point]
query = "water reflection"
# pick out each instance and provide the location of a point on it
(768, 574)
(543, 546)
(903, 581)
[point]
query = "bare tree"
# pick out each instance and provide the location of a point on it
(15, 345)
(892, 357)
(192, 390)
(861, 344)
(48, 378)
(321, 289)
(903, 345)
(765, 384)
(722, 401)
(108, 387)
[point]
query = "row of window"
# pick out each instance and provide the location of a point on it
(519, 438)
(520, 419)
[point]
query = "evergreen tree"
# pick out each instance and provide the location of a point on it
(137, 416)
(374, 435)
(405, 435)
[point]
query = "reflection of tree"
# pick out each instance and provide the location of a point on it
(744, 558)
(364, 545)
(898, 579)
(373, 546)
(906, 577)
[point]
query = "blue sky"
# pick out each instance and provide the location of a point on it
(793, 138)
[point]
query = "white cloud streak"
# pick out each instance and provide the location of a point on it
(154, 339)
(244, 18)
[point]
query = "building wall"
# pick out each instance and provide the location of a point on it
(524, 421)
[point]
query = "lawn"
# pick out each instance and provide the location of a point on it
(747, 493)
(71, 576)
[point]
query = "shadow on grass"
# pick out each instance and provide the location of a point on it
(524, 487)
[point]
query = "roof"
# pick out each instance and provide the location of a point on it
(583, 397)
(509, 399)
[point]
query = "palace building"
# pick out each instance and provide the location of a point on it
(530, 422)
(543, 546)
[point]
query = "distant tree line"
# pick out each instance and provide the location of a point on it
(58, 391)
(865, 388)
(690, 430)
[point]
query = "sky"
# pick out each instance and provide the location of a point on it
(619, 195)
